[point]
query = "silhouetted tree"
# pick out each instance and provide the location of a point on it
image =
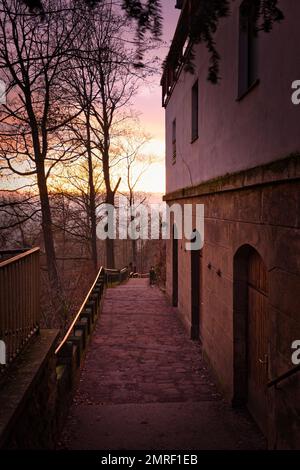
(112, 84)
(33, 140)
(135, 164)
(205, 16)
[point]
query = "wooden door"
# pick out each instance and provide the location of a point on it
(195, 293)
(175, 268)
(258, 340)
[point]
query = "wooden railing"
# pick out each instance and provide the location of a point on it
(116, 275)
(84, 320)
(19, 302)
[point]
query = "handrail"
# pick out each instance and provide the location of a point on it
(19, 302)
(102, 272)
(284, 376)
(14, 259)
(116, 271)
(112, 274)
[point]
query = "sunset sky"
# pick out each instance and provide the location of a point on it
(148, 103)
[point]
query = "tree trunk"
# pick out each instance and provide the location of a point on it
(134, 253)
(109, 242)
(92, 199)
(110, 198)
(93, 227)
(47, 231)
(132, 218)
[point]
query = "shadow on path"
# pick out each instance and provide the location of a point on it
(144, 384)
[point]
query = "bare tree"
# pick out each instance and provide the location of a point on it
(82, 82)
(19, 219)
(134, 164)
(104, 81)
(73, 185)
(33, 56)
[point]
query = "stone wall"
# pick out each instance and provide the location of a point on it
(266, 216)
(28, 396)
(37, 389)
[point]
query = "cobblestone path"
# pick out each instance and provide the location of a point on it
(144, 384)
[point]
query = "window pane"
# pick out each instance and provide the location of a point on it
(248, 47)
(174, 140)
(195, 110)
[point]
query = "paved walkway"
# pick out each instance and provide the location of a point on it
(144, 384)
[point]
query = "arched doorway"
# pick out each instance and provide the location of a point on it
(174, 267)
(251, 333)
(195, 289)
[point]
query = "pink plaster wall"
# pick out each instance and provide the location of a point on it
(236, 135)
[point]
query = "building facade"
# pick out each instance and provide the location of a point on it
(235, 147)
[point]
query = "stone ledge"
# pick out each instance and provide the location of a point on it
(287, 169)
(21, 379)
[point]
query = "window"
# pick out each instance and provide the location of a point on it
(248, 47)
(195, 111)
(174, 141)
